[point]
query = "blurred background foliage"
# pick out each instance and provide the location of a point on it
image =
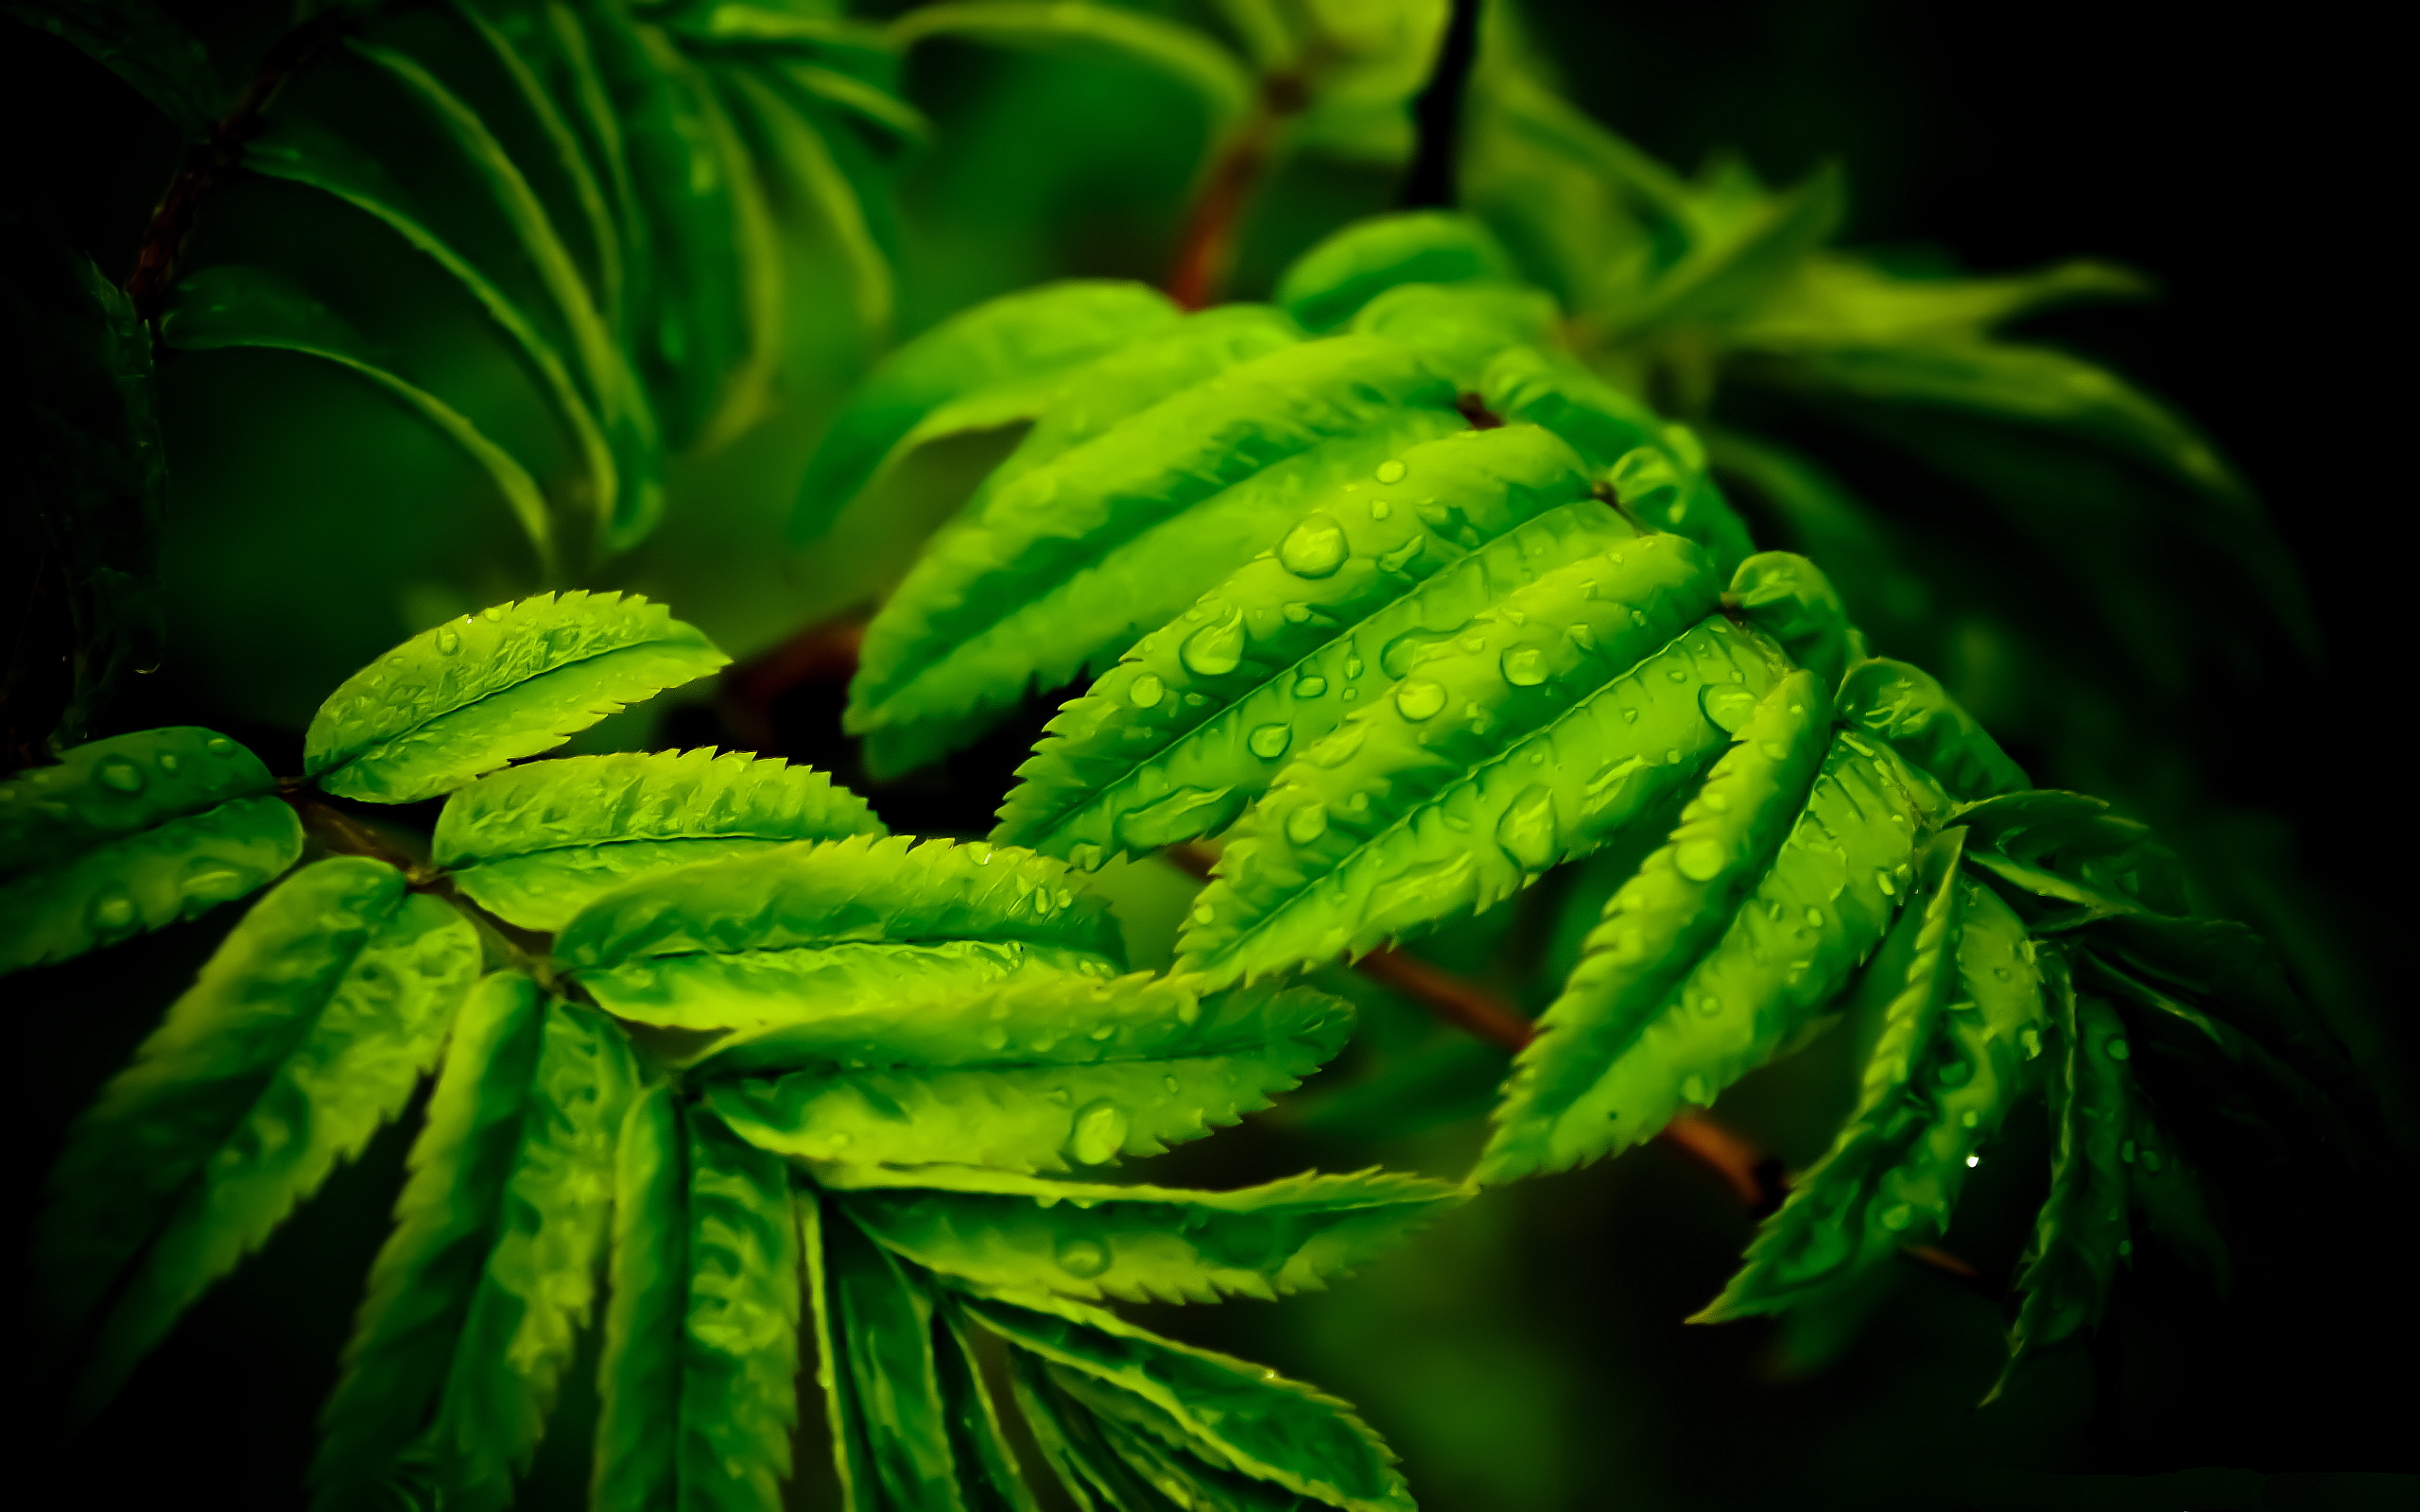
(2223, 675)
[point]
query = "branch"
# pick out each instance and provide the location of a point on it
(339, 833)
(1206, 247)
(1436, 116)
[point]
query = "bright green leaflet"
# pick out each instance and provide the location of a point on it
(1514, 741)
(536, 843)
(475, 1299)
(1193, 722)
(1330, 283)
(1140, 1242)
(305, 1032)
(1048, 1074)
(1789, 598)
(1013, 341)
(702, 1325)
(133, 833)
(1461, 326)
(1908, 709)
(489, 688)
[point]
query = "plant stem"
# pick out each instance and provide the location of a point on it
(1206, 247)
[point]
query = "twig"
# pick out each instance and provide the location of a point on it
(343, 834)
(1206, 247)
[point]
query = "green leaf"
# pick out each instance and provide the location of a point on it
(142, 43)
(1738, 255)
(1073, 559)
(513, 680)
(1518, 740)
(1624, 1014)
(1460, 325)
(490, 1271)
(1839, 299)
(1908, 709)
(1018, 342)
(1225, 88)
(305, 1033)
(892, 1433)
(2081, 1234)
(1229, 1415)
(1789, 598)
(536, 843)
(1140, 1244)
(781, 136)
(699, 1374)
(2068, 861)
(235, 306)
(1332, 283)
(133, 833)
(1191, 724)
(1033, 1074)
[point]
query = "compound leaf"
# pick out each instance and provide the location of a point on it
(538, 843)
(305, 1032)
(489, 688)
(131, 833)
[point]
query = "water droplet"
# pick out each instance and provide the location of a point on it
(2118, 1050)
(1972, 1160)
(491, 613)
(1269, 741)
(1882, 880)
(1214, 650)
(1419, 698)
(1701, 860)
(1814, 919)
(448, 643)
(1080, 1257)
(1694, 1089)
(1171, 1086)
(1309, 686)
(209, 879)
(2126, 1152)
(1524, 667)
(1307, 824)
(1100, 1132)
(119, 774)
(1391, 470)
(1146, 691)
(1970, 1119)
(1351, 666)
(112, 911)
(1580, 636)
(1296, 613)
(1897, 1218)
(1316, 547)
(168, 762)
(1380, 508)
(1528, 831)
(220, 746)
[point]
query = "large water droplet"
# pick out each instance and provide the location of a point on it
(1314, 548)
(1391, 470)
(1419, 698)
(1146, 691)
(1080, 1257)
(119, 774)
(212, 880)
(1699, 860)
(1269, 741)
(447, 641)
(1308, 823)
(1309, 686)
(1695, 1091)
(1897, 1216)
(1526, 831)
(168, 761)
(1215, 650)
(1098, 1133)
(1524, 667)
(112, 911)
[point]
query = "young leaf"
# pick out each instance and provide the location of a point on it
(131, 833)
(1138, 1244)
(1223, 1412)
(305, 1033)
(1908, 709)
(1192, 723)
(1330, 283)
(893, 1426)
(538, 843)
(473, 694)
(701, 1357)
(474, 1301)
(1010, 342)
(1071, 561)
(235, 306)
(1789, 598)
(1557, 1109)
(1036, 1075)
(1542, 725)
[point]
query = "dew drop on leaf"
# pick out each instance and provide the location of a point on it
(1694, 1089)
(120, 775)
(1146, 691)
(1100, 1132)
(1526, 831)
(220, 746)
(1524, 667)
(447, 641)
(1307, 824)
(1309, 687)
(1171, 1086)
(1897, 1218)
(1419, 698)
(1269, 741)
(2118, 1050)
(1391, 470)
(112, 910)
(1314, 548)
(1699, 860)
(216, 881)
(1080, 1257)
(168, 762)
(1213, 650)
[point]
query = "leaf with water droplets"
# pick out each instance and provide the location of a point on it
(1484, 512)
(133, 833)
(477, 1296)
(538, 843)
(1906, 707)
(1789, 598)
(521, 679)
(305, 1032)
(1138, 1243)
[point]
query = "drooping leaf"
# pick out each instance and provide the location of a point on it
(1908, 709)
(697, 1378)
(1007, 350)
(305, 1033)
(1743, 249)
(490, 1271)
(1330, 283)
(1836, 300)
(1549, 721)
(511, 682)
(538, 843)
(131, 833)
(1038, 1073)
(1193, 723)
(1220, 1411)
(1789, 598)
(229, 305)
(1138, 1243)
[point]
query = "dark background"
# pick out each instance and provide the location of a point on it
(1532, 1357)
